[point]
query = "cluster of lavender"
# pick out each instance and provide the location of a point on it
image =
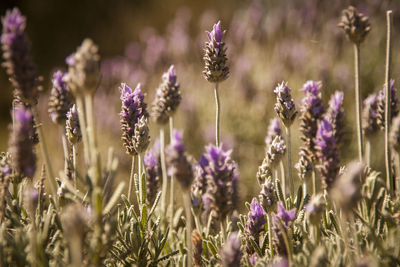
(85, 222)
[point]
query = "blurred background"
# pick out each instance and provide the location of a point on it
(267, 41)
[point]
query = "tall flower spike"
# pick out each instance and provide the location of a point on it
(275, 152)
(273, 131)
(285, 107)
(335, 115)
(327, 153)
(312, 111)
(168, 97)
(133, 119)
(369, 116)
(60, 100)
(222, 176)
(347, 189)
(355, 25)
(394, 101)
(153, 172)
(180, 166)
(231, 253)
(84, 69)
(255, 224)
(73, 128)
(216, 69)
(395, 134)
(264, 171)
(17, 56)
(305, 166)
(21, 145)
(267, 195)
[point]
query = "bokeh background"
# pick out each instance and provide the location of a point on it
(267, 41)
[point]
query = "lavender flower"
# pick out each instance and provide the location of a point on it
(275, 152)
(216, 69)
(273, 131)
(285, 107)
(180, 166)
(221, 175)
(347, 189)
(5, 177)
(60, 100)
(168, 97)
(83, 69)
(153, 171)
(335, 115)
(267, 195)
(304, 167)
(369, 116)
(133, 119)
(231, 253)
(255, 224)
(327, 153)
(394, 101)
(285, 218)
(21, 145)
(73, 128)
(312, 111)
(17, 56)
(355, 25)
(264, 172)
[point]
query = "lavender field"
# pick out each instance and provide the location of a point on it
(260, 133)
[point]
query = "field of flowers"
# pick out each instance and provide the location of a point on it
(269, 139)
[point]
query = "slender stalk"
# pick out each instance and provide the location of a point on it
(271, 248)
(94, 155)
(171, 195)
(304, 188)
(45, 154)
(217, 115)
(187, 203)
(289, 159)
(368, 151)
(74, 164)
(314, 181)
(82, 122)
(140, 177)
(358, 99)
(65, 149)
(389, 180)
(131, 179)
(164, 171)
(283, 179)
(354, 230)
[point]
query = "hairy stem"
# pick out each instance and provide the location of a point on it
(389, 180)
(94, 153)
(45, 154)
(131, 179)
(217, 115)
(74, 164)
(164, 171)
(271, 248)
(358, 100)
(283, 179)
(82, 122)
(289, 160)
(187, 203)
(171, 195)
(368, 152)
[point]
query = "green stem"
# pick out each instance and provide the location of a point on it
(45, 154)
(271, 248)
(164, 171)
(82, 122)
(187, 203)
(217, 115)
(65, 149)
(304, 188)
(289, 160)
(314, 182)
(95, 160)
(283, 179)
(389, 180)
(74, 164)
(368, 152)
(131, 179)
(358, 100)
(171, 195)
(140, 178)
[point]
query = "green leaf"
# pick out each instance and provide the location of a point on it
(212, 248)
(256, 247)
